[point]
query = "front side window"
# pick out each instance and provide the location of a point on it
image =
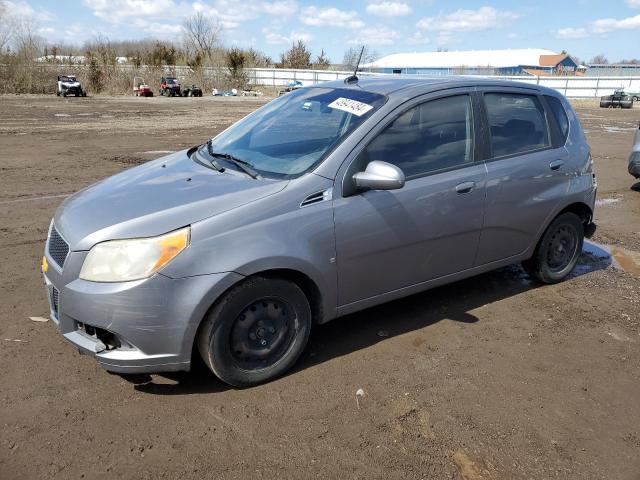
(518, 123)
(432, 136)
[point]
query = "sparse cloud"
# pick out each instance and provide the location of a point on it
(389, 9)
(375, 36)
(23, 9)
(330, 17)
(572, 33)
(601, 27)
(418, 38)
(274, 37)
(469, 20)
(633, 3)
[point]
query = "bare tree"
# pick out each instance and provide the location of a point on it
(351, 56)
(6, 27)
(600, 59)
(200, 36)
(27, 43)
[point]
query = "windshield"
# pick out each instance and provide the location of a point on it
(67, 79)
(292, 134)
(171, 80)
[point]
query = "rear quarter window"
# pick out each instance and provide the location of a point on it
(560, 115)
(518, 123)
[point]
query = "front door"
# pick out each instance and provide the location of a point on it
(387, 240)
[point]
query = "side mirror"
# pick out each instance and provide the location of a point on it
(379, 176)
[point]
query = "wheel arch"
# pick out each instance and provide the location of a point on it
(581, 209)
(308, 286)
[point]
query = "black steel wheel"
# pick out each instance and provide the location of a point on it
(558, 250)
(256, 331)
(262, 333)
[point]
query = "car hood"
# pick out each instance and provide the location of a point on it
(71, 84)
(155, 198)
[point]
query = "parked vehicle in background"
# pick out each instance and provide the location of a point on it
(618, 99)
(291, 86)
(140, 88)
(170, 87)
(224, 93)
(192, 91)
(634, 158)
(326, 201)
(69, 85)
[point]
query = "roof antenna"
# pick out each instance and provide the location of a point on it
(354, 78)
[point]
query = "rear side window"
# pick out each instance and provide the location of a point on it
(518, 123)
(431, 136)
(560, 115)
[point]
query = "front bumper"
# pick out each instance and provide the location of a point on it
(153, 321)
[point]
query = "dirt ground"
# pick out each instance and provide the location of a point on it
(489, 378)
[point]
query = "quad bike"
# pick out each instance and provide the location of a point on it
(170, 87)
(192, 91)
(140, 88)
(69, 85)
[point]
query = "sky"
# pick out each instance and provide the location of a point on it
(584, 28)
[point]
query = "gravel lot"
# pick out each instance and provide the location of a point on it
(489, 378)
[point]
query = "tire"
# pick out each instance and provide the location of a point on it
(256, 331)
(57, 93)
(64, 94)
(558, 250)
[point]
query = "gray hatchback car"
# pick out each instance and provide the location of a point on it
(326, 201)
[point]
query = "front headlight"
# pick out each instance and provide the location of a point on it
(134, 259)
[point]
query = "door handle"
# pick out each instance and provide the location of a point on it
(465, 187)
(555, 165)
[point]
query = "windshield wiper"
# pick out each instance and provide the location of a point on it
(242, 164)
(212, 154)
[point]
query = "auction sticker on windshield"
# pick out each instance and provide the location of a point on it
(350, 106)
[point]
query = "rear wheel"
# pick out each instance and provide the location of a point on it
(558, 250)
(256, 332)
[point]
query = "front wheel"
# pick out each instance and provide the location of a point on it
(256, 332)
(558, 250)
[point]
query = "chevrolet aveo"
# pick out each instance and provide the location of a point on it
(326, 201)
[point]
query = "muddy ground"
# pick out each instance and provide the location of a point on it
(490, 378)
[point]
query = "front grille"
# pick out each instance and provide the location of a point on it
(54, 300)
(58, 248)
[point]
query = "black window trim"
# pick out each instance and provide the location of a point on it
(513, 91)
(476, 157)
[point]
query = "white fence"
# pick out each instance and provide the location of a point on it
(573, 87)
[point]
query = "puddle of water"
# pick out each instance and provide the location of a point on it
(610, 129)
(601, 202)
(595, 257)
(628, 260)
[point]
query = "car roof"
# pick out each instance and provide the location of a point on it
(391, 84)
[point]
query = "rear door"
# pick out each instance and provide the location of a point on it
(387, 240)
(526, 175)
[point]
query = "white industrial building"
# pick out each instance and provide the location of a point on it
(532, 61)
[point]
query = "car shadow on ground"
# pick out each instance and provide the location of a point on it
(351, 333)
(636, 187)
